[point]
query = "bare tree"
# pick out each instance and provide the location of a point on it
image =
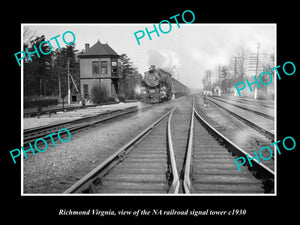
(28, 35)
(241, 61)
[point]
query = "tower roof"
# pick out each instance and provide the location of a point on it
(98, 49)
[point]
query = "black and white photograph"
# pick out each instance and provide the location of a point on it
(149, 118)
(163, 114)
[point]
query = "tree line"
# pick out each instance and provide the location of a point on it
(47, 75)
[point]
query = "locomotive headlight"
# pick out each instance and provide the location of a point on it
(137, 89)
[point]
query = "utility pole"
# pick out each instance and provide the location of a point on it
(234, 69)
(219, 83)
(256, 69)
(69, 91)
(59, 86)
(219, 72)
(257, 58)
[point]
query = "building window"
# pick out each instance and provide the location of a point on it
(86, 91)
(95, 67)
(114, 66)
(103, 67)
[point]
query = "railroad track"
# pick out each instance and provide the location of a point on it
(32, 134)
(176, 154)
(238, 131)
(259, 110)
(263, 125)
(54, 111)
(210, 166)
(144, 165)
(253, 102)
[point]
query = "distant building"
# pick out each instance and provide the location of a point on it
(99, 64)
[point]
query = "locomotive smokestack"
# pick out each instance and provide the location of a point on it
(152, 67)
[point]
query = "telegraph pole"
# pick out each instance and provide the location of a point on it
(235, 69)
(257, 58)
(210, 80)
(219, 80)
(256, 70)
(69, 91)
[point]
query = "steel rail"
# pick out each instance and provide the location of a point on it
(174, 188)
(248, 101)
(244, 108)
(262, 171)
(40, 128)
(75, 124)
(54, 111)
(187, 184)
(120, 154)
(260, 129)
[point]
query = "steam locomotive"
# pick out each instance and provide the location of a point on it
(156, 85)
(159, 86)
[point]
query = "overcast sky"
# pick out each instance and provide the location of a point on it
(191, 49)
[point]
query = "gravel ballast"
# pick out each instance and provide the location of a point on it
(58, 168)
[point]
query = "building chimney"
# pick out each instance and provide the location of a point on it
(87, 46)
